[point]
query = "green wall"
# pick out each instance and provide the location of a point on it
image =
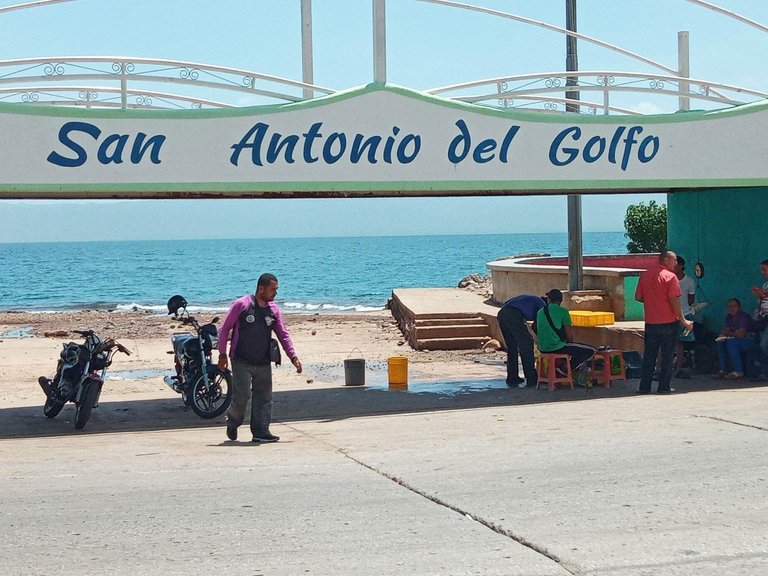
(633, 310)
(726, 230)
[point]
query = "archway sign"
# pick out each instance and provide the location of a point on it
(379, 140)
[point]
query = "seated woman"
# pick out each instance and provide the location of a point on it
(733, 340)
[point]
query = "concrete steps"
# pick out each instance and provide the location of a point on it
(441, 318)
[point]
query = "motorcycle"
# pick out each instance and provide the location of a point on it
(202, 384)
(80, 374)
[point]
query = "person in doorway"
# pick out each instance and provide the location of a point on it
(659, 291)
(553, 328)
(249, 325)
(733, 340)
(687, 296)
(761, 321)
(513, 318)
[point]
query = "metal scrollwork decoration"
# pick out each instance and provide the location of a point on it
(704, 89)
(88, 95)
(656, 84)
(506, 103)
(189, 73)
(550, 105)
(54, 69)
(196, 105)
(123, 67)
(248, 81)
(605, 80)
(30, 97)
(592, 109)
(502, 86)
(143, 100)
(553, 82)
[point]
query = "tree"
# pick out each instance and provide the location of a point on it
(646, 227)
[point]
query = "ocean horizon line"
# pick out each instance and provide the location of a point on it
(383, 236)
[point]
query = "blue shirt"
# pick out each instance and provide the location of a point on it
(527, 304)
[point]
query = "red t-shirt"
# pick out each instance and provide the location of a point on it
(654, 289)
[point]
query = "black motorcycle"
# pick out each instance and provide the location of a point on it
(80, 375)
(202, 384)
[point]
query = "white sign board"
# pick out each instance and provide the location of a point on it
(379, 140)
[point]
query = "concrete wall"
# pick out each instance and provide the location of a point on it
(538, 275)
(725, 230)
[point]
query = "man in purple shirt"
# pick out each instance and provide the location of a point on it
(251, 321)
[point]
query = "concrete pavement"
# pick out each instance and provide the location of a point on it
(613, 485)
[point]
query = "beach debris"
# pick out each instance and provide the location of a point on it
(400, 342)
(56, 334)
(313, 332)
(492, 345)
(310, 380)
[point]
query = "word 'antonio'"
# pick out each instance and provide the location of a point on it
(331, 148)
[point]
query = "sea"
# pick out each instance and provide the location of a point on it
(316, 275)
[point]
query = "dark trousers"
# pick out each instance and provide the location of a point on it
(518, 340)
(254, 382)
(579, 353)
(659, 339)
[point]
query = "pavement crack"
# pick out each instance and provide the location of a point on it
(434, 499)
(731, 422)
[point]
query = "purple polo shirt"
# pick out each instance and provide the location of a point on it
(232, 321)
(741, 320)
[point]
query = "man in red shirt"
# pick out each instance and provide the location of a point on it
(659, 291)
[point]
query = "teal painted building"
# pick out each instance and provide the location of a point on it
(726, 230)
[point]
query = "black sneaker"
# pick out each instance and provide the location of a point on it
(514, 383)
(232, 432)
(665, 391)
(265, 438)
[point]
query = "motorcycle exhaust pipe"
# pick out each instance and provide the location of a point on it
(173, 383)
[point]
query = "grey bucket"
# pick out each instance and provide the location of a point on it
(354, 372)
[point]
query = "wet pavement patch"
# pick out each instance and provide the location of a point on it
(139, 374)
(21, 332)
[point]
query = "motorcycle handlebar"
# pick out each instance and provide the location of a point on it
(123, 349)
(83, 332)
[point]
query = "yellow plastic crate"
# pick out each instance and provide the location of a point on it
(586, 318)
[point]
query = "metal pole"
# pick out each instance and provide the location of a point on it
(684, 69)
(307, 65)
(379, 41)
(575, 247)
(123, 87)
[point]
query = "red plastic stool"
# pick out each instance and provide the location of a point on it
(547, 366)
(607, 365)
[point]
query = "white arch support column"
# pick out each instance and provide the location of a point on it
(307, 63)
(379, 41)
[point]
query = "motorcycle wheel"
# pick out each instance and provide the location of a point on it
(215, 401)
(51, 408)
(83, 411)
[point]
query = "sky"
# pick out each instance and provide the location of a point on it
(428, 46)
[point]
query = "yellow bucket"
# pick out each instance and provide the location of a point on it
(397, 368)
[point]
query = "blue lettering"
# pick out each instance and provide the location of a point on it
(402, 155)
(511, 133)
(359, 145)
(464, 140)
(589, 157)
(276, 145)
(328, 155)
(484, 147)
(81, 155)
(257, 132)
(309, 139)
(119, 140)
(642, 155)
(572, 153)
(139, 148)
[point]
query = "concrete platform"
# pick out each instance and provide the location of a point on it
(457, 312)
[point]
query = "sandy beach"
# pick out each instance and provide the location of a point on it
(31, 342)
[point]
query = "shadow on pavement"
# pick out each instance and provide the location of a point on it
(323, 404)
